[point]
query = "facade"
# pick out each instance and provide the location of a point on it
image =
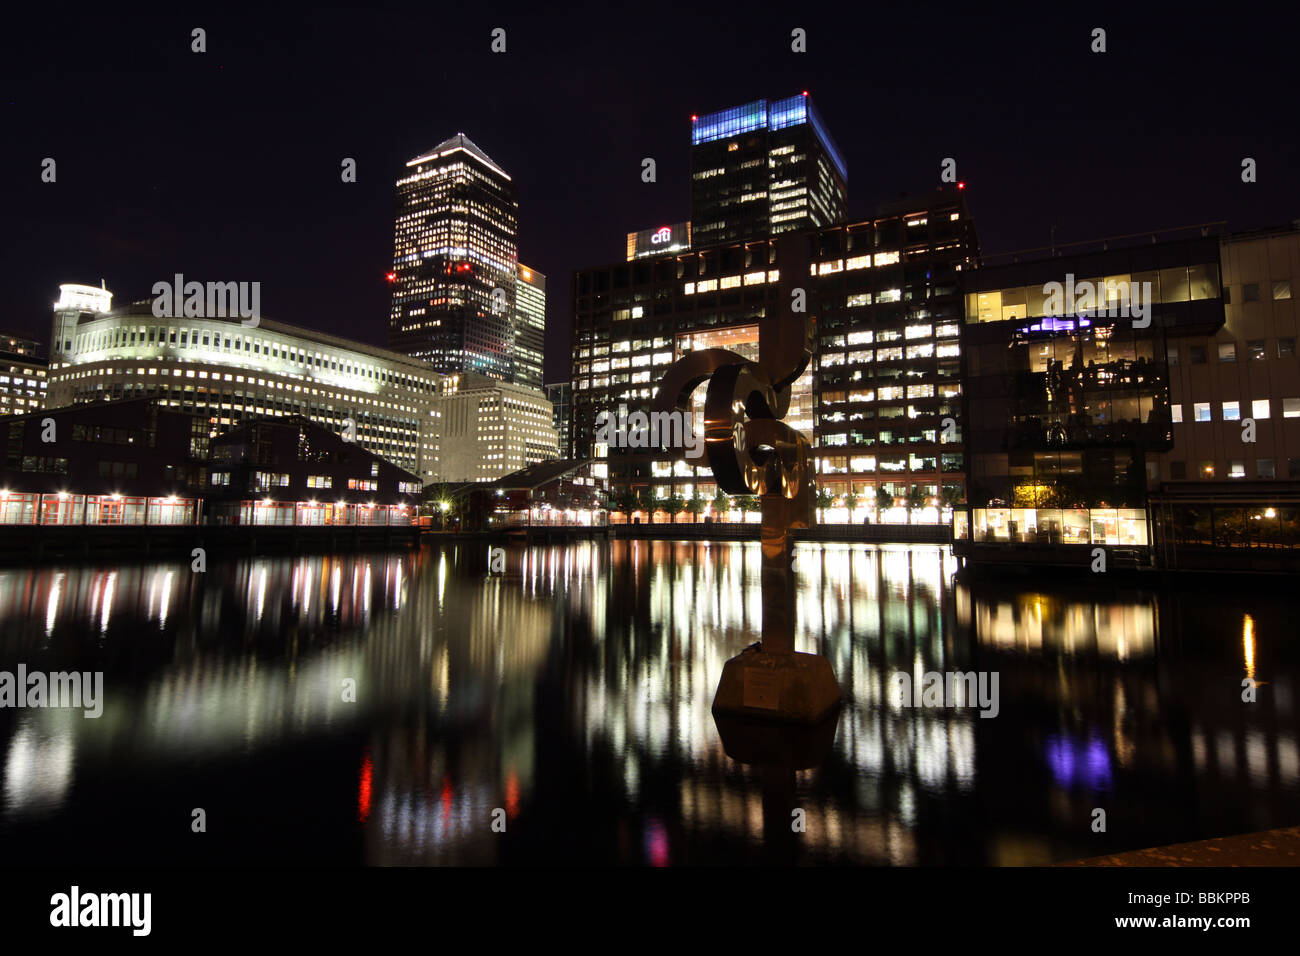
(1066, 393)
(561, 492)
(492, 428)
(885, 295)
(108, 463)
(560, 395)
(1248, 371)
(136, 462)
(455, 262)
(24, 375)
(229, 372)
(290, 471)
(1229, 483)
(530, 327)
(762, 169)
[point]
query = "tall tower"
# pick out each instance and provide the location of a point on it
(530, 327)
(455, 261)
(762, 169)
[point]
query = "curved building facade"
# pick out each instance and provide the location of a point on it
(228, 371)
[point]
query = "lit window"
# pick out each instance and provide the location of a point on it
(1203, 411)
(1231, 412)
(1259, 408)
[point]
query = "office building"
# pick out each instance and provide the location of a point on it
(491, 428)
(23, 374)
(762, 169)
(885, 297)
(228, 372)
(530, 328)
(1066, 393)
(1228, 484)
(455, 264)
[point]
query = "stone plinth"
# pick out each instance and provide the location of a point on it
(787, 688)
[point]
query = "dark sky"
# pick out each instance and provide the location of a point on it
(225, 166)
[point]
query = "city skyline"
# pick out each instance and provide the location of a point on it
(254, 228)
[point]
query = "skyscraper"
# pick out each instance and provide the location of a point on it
(530, 327)
(762, 169)
(455, 260)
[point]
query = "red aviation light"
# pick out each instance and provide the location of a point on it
(392, 277)
(961, 185)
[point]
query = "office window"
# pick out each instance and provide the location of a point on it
(1255, 350)
(1264, 468)
(1206, 469)
(1231, 411)
(1227, 351)
(1172, 355)
(1250, 292)
(1282, 289)
(1176, 411)
(1197, 354)
(1291, 408)
(1286, 348)
(1178, 470)
(1293, 467)
(1236, 469)
(1259, 408)
(1202, 411)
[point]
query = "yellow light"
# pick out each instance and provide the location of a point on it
(1248, 644)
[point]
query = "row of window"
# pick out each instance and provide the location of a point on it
(1264, 468)
(1231, 411)
(1256, 350)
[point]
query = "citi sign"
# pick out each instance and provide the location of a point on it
(664, 234)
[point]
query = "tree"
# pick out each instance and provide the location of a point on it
(824, 500)
(674, 505)
(851, 502)
(696, 505)
(915, 501)
(884, 501)
(950, 497)
(645, 501)
(721, 504)
(625, 502)
(748, 503)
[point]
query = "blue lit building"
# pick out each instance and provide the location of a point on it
(762, 169)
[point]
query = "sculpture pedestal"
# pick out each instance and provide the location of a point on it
(786, 688)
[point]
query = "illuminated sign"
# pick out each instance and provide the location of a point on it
(657, 242)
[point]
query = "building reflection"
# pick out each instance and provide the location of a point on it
(572, 692)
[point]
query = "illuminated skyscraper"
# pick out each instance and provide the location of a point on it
(762, 169)
(455, 261)
(530, 327)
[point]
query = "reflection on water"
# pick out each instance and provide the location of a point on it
(568, 699)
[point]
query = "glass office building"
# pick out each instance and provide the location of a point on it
(762, 169)
(455, 263)
(1066, 392)
(885, 298)
(530, 327)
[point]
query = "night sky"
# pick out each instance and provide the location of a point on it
(225, 166)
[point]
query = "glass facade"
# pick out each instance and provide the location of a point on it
(1065, 375)
(762, 169)
(455, 264)
(886, 297)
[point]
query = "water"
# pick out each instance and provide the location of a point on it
(569, 700)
